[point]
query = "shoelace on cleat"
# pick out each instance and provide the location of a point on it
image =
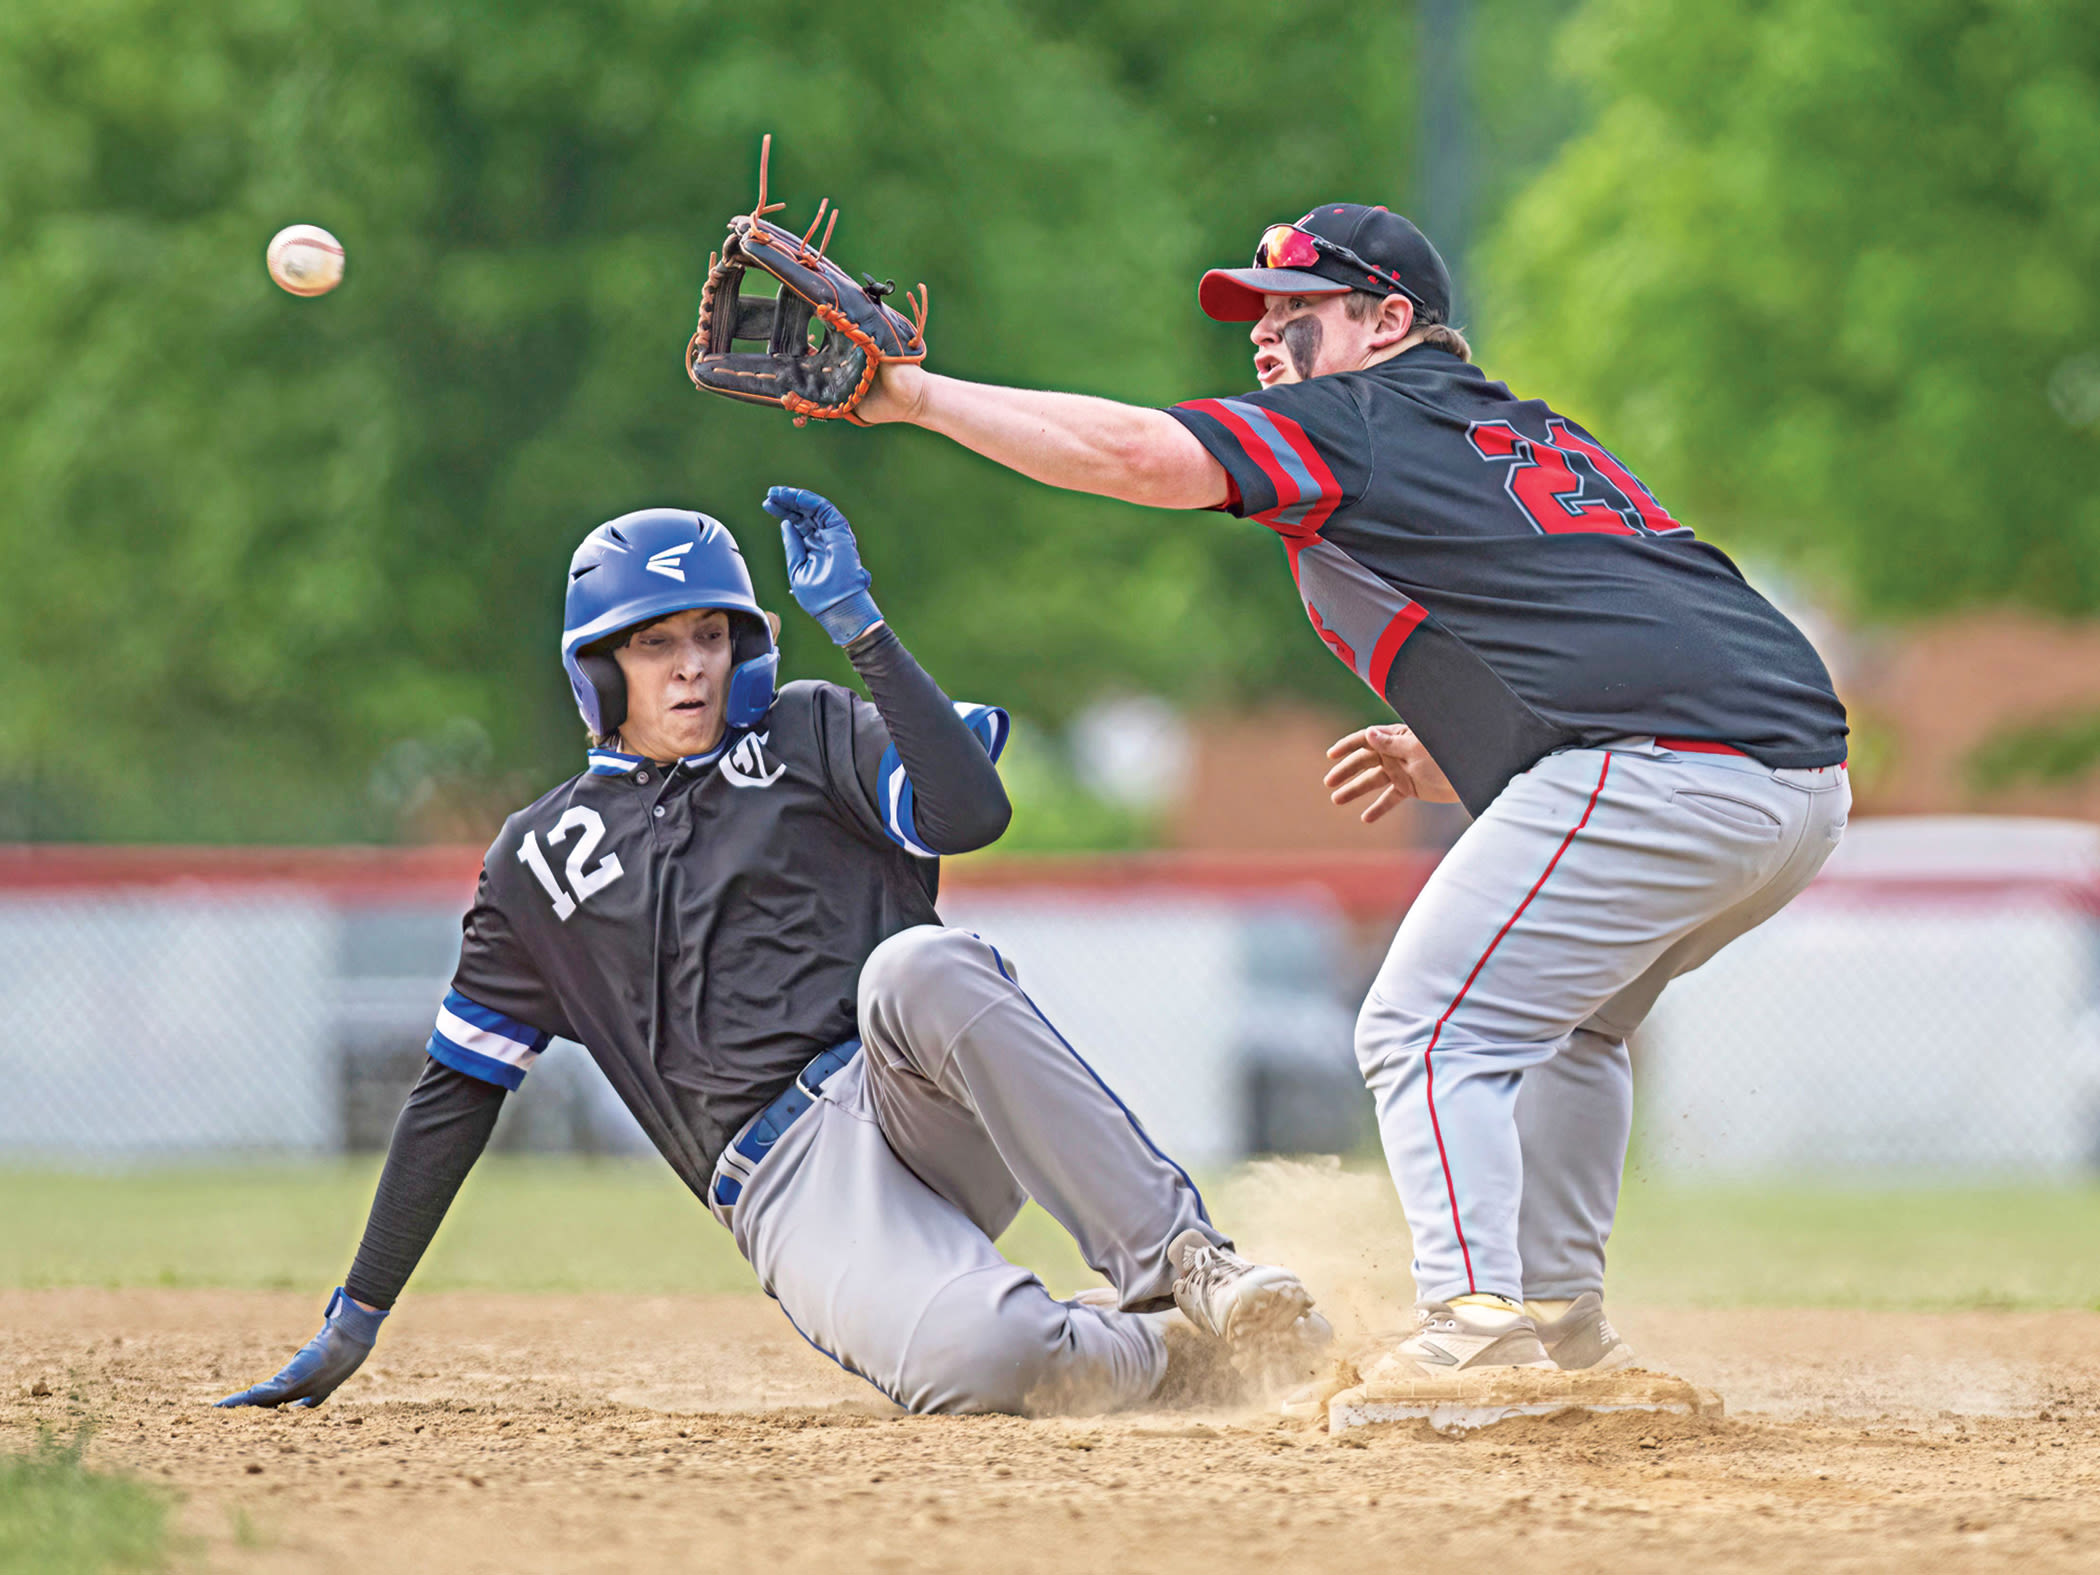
(1208, 1271)
(1209, 1267)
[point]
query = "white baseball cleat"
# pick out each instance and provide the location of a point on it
(1240, 1302)
(1457, 1337)
(1581, 1338)
(1202, 1370)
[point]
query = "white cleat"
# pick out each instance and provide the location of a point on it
(1242, 1303)
(1452, 1339)
(1582, 1338)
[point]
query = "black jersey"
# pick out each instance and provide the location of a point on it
(699, 929)
(1502, 581)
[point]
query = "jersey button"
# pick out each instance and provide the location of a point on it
(659, 812)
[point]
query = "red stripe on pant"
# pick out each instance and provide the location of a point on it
(1429, 1066)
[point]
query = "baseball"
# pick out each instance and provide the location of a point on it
(305, 259)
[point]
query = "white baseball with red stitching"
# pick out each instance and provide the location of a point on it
(305, 259)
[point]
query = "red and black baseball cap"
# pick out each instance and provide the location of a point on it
(1336, 248)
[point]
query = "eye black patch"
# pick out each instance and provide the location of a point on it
(1301, 337)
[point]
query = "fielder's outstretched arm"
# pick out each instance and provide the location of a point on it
(1075, 441)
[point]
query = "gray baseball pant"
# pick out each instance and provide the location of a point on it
(1494, 1037)
(872, 1219)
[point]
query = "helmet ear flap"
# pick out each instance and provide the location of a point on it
(602, 668)
(753, 679)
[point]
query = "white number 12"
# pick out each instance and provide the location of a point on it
(585, 883)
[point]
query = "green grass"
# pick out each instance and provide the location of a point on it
(518, 1224)
(628, 1226)
(59, 1518)
(1838, 1246)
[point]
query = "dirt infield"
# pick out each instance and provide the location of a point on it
(522, 1433)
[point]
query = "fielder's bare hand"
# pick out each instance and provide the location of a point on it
(1389, 761)
(899, 394)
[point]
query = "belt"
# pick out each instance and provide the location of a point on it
(763, 1130)
(1638, 743)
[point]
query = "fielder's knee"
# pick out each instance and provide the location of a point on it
(1383, 1034)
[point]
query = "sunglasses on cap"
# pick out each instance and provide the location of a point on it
(1287, 246)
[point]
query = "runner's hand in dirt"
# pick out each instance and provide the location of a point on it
(1389, 760)
(345, 1340)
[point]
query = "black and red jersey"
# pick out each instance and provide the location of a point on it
(1502, 581)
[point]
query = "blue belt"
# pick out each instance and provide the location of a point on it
(765, 1129)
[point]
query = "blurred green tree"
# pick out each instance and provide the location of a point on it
(264, 551)
(1827, 272)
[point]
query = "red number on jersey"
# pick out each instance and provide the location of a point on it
(1570, 484)
(1653, 515)
(1335, 642)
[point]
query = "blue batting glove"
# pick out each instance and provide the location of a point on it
(341, 1347)
(824, 572)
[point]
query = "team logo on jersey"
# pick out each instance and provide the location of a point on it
(746, 765)
(666, 562)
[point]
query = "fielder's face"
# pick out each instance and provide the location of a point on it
(677, 672)
(1303, 336)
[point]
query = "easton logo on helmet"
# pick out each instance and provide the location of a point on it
(666, 562)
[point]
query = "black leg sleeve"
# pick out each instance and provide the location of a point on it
(440, 1133)
(960, 803)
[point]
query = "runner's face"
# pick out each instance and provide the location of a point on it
(1303, 336)
(677, 672)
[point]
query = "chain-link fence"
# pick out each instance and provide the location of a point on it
(1906, 1017)
(1930, 1007)
(139, 1023)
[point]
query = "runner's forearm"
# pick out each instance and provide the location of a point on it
(961, 804)
(1076, 441)
(440, 1133)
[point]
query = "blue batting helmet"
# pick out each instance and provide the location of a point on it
(640, 567)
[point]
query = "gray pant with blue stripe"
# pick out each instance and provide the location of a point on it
(871, 1218)
(1494, 1037)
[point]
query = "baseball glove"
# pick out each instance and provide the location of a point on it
(809, 373)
